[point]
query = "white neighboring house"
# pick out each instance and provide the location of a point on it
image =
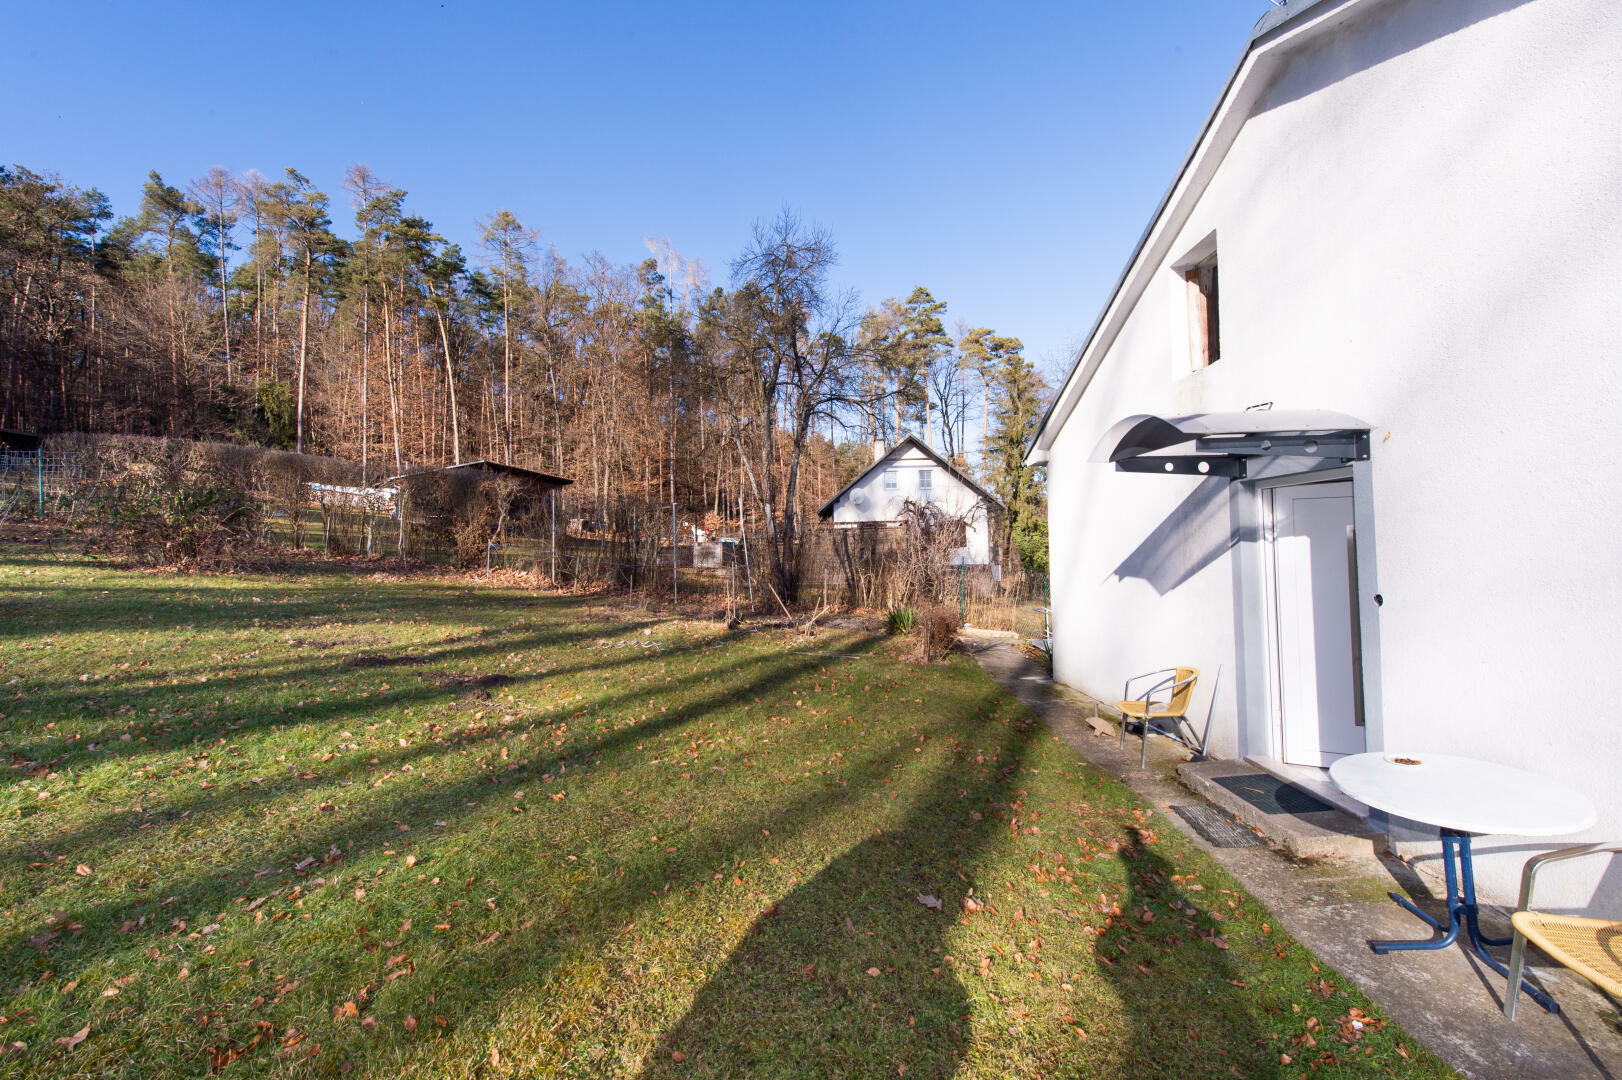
(911, 470)
(1414, 211)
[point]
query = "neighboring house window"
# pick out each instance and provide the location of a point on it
(926, 479)
(889, 480)
(1204, 324)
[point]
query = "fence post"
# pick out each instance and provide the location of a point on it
(962, 597)
(743, 542)
(39, 473)
(401, 496)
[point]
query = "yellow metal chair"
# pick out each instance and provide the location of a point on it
(1590, 947)
(1177, 684)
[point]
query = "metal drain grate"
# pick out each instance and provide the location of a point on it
(1218, 830)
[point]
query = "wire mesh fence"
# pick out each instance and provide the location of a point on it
(167, 499)
(38, 483)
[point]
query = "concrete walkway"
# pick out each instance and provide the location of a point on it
(1447, 1000)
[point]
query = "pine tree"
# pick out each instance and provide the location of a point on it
(1019, 393)
(510, 247)
(302, 212)
(214, 196)
(909, 340)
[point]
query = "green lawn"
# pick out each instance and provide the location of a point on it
(324, 824)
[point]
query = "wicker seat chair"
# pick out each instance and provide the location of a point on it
(1590, 947)
(1177, 685)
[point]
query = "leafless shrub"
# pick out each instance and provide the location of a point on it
(473, 530)
(924, 558)
(863, 557)
(157, 500)
(936, 630)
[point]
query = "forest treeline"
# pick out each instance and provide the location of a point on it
(231, 308)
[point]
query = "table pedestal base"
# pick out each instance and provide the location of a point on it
(1461, 915)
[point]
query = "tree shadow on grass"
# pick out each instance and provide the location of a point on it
(521, 961)
(428, 693)
(374, 821)
(432, 673)
(229, 604)
(847, 975)
(1186, 1008)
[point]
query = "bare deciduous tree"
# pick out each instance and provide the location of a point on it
(785, 364)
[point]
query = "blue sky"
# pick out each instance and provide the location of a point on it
(1004, 156)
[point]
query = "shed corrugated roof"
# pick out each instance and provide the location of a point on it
(497, 467)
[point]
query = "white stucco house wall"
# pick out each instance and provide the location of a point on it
(911, 470)
(1407, 213)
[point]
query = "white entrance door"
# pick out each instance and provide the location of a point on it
(1314, 563)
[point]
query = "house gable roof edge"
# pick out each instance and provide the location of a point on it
(1285, 24)
(827, 508)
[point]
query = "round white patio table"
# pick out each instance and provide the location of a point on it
(1462, 796)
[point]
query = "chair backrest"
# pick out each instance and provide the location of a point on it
(1186, 678)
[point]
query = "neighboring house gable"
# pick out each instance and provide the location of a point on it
(910, 470)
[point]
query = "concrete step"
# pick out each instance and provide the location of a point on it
(1296, 820)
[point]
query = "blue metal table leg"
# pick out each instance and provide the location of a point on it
(1478, 940)
(1468, 879)
(1462, 913)
(1455, 906)
(1409, 904)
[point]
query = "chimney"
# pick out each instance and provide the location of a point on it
(878, 451)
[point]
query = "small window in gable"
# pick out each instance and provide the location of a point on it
(926, 479)
(1204, 320)
(889, 480)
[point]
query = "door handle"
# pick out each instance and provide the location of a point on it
(1357, 625)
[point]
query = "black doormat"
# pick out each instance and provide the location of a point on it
(1271, 795)
(1218, 830)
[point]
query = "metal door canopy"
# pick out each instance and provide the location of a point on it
(1224, 442)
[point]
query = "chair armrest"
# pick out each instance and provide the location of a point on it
(1126, 690)
(1537, 862)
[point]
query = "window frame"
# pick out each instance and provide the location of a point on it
(926, 479)
(1204, 312)
(892, 480)
(1199, 269)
